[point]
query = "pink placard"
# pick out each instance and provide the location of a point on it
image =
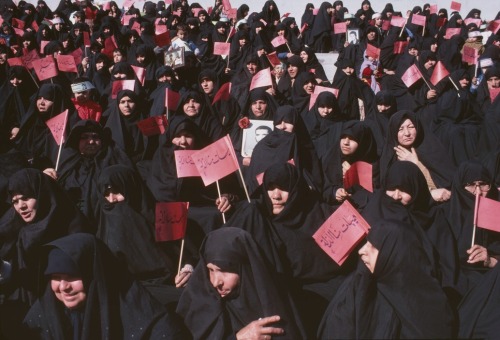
(278, 41)
(339, 28)
(478, 22)
(153, 126)
(222, 48)
(433, 9)
(411, 76)
(455, 6)
(399, 47)
(232, 13)
(43, 43)
(450, 32)
(315, 11)
(372, 51)
(359, 173)
(77, 54)
(29, 57)
(119, 85)
(45, 68)
(126, 19)
(15, 62)
(470, 55)
(66, 63)
(262, 79)
(227, 5)
(161, 29)
(418, 19)
(318, 90)
(398, 21)
(487, 214)
(170, 220)
(386, 25)
(184, 164)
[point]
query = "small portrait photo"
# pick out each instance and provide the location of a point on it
(353, 36)
(257, 130)
(175, 58)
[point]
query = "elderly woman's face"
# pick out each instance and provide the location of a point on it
(369, 255)
(69, 290)
(25, 206)
(224, 282)
(407, 133)
(259, 107)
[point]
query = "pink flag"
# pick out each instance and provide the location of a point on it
(339, 28)
(106, 6)
(140, 72)
(450, 32)
(19, 32)
(433, 9)
(411, 75)
(232, 13)
(162, 39)
(278, 41)
(487, 214)
(317, 90)
(34, 25)
(478, 22)
(136, 27)
(86, 39)
(29, 57)
(170, 220)
(418, 19)
(493, 26)
(470, 55)
(184, 164)
(372, 51)
(161, 29)
(439, 73)
(227, 5)
(172, 99)
(119, 85)
(17, 23)
(261, 79)
(15, 62)
(386, 25)
(45, 68)
(341, 232)
(221, 48)
(77, 54)
(399, 47)
(494, 93)
(223, 94)
(126, 19)
(43, 43)
(66, 63)
(359, 173)
(57, 125)
(273, 59)
(216, 160)
(153, 126)
(285, 15)
(109, 47)
(398, 21)
(128, 3)
(455, 6)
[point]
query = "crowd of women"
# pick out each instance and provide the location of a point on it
(79, 252)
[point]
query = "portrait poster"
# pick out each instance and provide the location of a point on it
(175, 58)
(257, 130)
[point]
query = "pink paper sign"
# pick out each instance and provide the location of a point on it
(119, 85)
(45, 68)
(261, 79)
(359, 173)
(66, 63)
(411, 76)
(184, 164)
(170, 220)
(221, 48)
(57, 125)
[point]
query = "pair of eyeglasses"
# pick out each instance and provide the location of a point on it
(481, 185)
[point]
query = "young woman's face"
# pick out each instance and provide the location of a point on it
(184, 140)
(348, 146)
(191, 107)
(309, 87)
(90, 144)
(369, 255)
(304, 56)
(278, 197)
(26, 207)
(293, 70)
(44, 105)
(126, 106)
(113, 196)
(325, 111)
(224, 282)
(69, 290)
(207, 85)
(407, 133)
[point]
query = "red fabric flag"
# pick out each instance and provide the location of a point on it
(66, 63)
(494, 26)
(372, 51)
(15, 62)
(455, 6)
(163, 39)
(86, 39)
(153, 126)
(45, 68)
(478, 22)
(439, 73)
(398, 21)
(411, 75)
(57, 125)
(359, 173)
(126, 19)
(418, 19)
(261, 79)
(223, 94)
(184, 164)
(273, 59)
(450, 32)
(209, 10)
(317, 90)
(341, 232)
(278, 41)
(441, 22)
(170, 220)
(77, 54)
(386, 25)
(216, 160)
(109, 47)
(433, 9)
(470, 55)
(339, 28)
(17, 23)
(221, 48)
(494, 93)
(172, 99)
(119, 85)
(487, 214)
(29, 57)
(400, 46)
(286, 15)
(140, 72)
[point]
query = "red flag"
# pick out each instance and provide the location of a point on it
(170, 220)
(66, 63)
(398, 21)
(273, 59)
(86, 39)
(478, 22)
(303, 28)
(278, 41)
(359, 173)
(34, 25)
(184, 164)
(161, 29)
(77, 54)
(418, 19)
(372, 51)
(433, 9)
(386, 25)
(216, 160)
(227, 5)
(470, 55)
(29, 57)
(57, 125)
(439, 73)
(17, 23)
(209, 10)
(45, 68)
(153, 126)
(136, 27)
(119, 85)
(455, 6)
(411, 75)
(261, 79)
(494, 26)
(494, 93)
(140, 72)
(232, 32)
(109, 47)
(126, 19)
(441, 22)
(172, 99)
(487, 214)
(163, 39)
(223, 94)
(221, 48)
(450, 32)
(340, 27)
(399, 47)
(341, 232)
(285, 15)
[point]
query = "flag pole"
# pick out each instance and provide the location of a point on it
(61, 140)
(402, 30)
(244, 185)
(180, 257)
(458, 91)
(288, 47)
(166, 96)
(220, 200)
(476, 205)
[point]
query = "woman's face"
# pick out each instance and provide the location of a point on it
(304, 56)
(293, 70)
(369, 255)
(207, 85)
(383, 108)
(113, 196)
(493, 82)
(44, 105)
(259, 107)
(407, 133)
(366, 7)
(288, 127)
(15, 81)
(324, 111)
(184, 140)
(90, 144)
(348, 146)
(309, 87)
(398, 195)
(69, 290)
(464, 83)
(371, 36)
(224, 282)
(126, 106)
(478, 187)
(117, 57)
(191, 107)
(278, 197)
(429, 63)
(26, 207)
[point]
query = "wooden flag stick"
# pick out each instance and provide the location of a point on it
(244, 185)
(61, 141)
(166, 105)
(476, 205)
(180, 257)
(288, 47)
(402, 30)
(220, 200)
(427, 83)
(458, 91)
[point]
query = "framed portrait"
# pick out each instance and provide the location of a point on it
(175, 58)
(257, 130)
(353, 36)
